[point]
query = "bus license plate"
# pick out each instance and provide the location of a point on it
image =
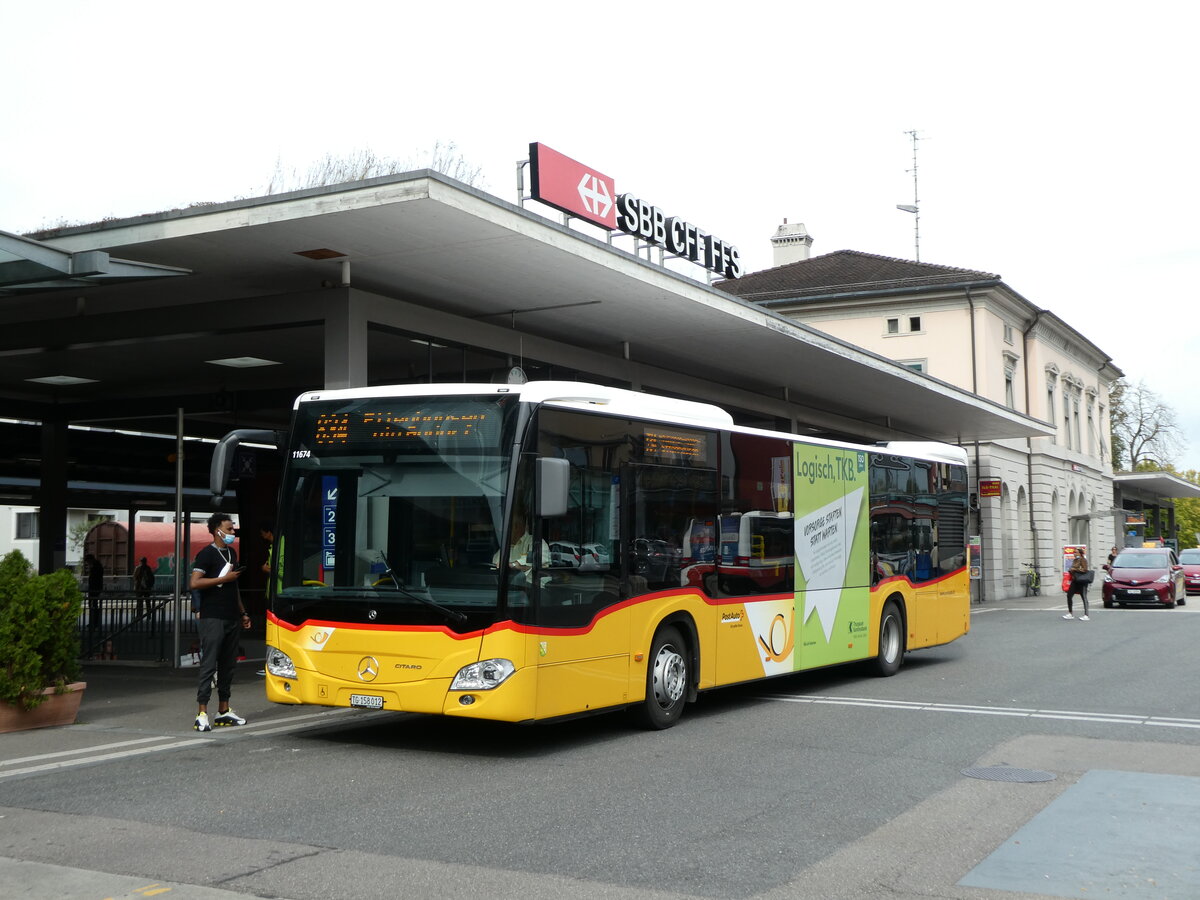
(366, 701)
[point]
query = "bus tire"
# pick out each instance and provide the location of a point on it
(891, 641)
(668, 674)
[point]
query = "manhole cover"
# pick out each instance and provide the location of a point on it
(1008, 773)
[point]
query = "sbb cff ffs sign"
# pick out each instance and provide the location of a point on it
(580, 190)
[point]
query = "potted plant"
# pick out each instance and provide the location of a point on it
(39, 646)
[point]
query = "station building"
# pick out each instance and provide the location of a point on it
(1036, 494)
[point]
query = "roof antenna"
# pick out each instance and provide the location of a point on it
(915, 206)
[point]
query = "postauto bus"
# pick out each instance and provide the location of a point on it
(412, 569)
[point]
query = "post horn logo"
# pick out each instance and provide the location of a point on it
(779, 642)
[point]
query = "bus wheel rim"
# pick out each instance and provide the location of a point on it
(669, 672)
(891, 638)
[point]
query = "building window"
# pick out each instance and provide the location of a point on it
(893, 326)
(914, 323)
(1008, 333)
(917, 365)
(1050, 409)
(27, 526)
(1010, 379)
(1066, 409)
(1075, 417)
(1091, 428)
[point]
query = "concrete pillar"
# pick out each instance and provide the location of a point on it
(52, 516)
(345, 340)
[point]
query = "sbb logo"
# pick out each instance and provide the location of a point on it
(682, 238)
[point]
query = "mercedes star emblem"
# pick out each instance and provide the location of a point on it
(368, 668)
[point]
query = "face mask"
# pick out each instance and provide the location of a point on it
(228, 538)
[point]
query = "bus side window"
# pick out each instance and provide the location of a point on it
(757, 553)
(674, 511)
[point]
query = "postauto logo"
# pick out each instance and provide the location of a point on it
(579, 190)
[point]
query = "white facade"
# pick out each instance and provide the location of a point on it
(990, 340)
(19, 530)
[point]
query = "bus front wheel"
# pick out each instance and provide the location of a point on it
(667, 677)
(891, 640)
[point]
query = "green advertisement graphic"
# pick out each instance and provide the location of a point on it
(832, 538)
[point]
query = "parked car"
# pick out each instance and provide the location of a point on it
(593, 557)
(1145, 576)
(564, 553)
(1190, 560)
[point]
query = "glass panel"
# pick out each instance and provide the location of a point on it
(757, 541)
(392, 510)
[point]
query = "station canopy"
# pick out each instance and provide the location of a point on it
(232, 309)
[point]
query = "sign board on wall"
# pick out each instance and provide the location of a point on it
(579, 190)
(572, 187)
(989, 487)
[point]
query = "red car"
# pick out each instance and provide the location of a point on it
(1146, 576)
(1190, 560)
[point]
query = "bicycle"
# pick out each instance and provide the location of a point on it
(1033, 581)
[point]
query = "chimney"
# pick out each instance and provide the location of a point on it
(791, 243)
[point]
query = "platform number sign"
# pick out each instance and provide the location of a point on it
(329, 493)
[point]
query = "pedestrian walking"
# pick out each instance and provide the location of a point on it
(1081, 576)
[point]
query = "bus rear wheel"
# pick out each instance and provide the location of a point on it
(891, 640)
(668, 674)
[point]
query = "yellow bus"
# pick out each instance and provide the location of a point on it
(413, 569)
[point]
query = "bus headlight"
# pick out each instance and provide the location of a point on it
(280, 664)
(483, 675)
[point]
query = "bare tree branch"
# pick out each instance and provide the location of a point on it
(1145, 430)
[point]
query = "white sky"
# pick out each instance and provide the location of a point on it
(1059, 139)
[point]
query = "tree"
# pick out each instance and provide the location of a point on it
(363, 164)
(1187, 513)
(1144, 428)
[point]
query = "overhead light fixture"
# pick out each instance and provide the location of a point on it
(242, 362)
(425, 343)
(63, 380)
(322, 253)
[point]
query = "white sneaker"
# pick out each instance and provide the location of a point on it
(202, 722)
(1084, 619)
(1068, 616)
(229, 717)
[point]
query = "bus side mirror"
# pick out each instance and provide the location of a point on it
(553, 486)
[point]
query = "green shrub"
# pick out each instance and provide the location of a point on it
(39, 643)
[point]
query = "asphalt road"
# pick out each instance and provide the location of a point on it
(833, 784)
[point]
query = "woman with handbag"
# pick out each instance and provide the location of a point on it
(1080, 577)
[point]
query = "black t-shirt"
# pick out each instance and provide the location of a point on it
(219, 601)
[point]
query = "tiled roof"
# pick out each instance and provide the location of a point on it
(846, 271)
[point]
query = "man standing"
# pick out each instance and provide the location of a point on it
(95, 577)
(143, 584)
(215, 574)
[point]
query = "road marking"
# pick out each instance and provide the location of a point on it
(26, 759)
(48, 762)
(1017, 712)
(1062, 606)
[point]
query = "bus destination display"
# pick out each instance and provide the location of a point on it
(375, 426)
(676, 446)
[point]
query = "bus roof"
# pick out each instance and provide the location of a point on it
(582, 395)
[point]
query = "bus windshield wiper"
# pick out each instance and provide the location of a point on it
(451, 614)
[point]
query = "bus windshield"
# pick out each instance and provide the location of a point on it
(391, 510)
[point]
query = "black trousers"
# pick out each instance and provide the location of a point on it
(218, 655)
